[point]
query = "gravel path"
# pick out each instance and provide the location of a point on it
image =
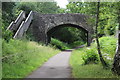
(55, 67)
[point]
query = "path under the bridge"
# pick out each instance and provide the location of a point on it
(56, 67)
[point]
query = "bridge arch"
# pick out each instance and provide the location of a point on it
(54, 28)
(43, 23)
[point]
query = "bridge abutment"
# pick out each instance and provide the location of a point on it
(43, 23)
(89, 39)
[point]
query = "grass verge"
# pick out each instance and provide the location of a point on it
(27, 56)
(81, 70)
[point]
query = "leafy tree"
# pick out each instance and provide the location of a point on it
(47, 7)
(10, 11)
(98, 44)
(116, 63)
(107, 18)
(41, 7)
(7, 15)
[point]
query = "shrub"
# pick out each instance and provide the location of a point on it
(108, 45)
(13, 46)
(6, 34)
(90, 56)
(76, 43)
(58, 44)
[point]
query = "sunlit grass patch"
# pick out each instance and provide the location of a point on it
(26, 60)
(93, 70)
(87, 71)
(59, 44)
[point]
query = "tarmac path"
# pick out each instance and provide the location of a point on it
(56, 67)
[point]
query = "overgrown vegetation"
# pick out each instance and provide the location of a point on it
(63, 46)
(103, 62)
(108, 15)
(58, 44)
(86, 64)
(20, 58)
(68, 34)
(71, 33)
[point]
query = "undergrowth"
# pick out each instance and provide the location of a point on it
(20, 58)
(59, 44)
(64, 46)
(85, 62)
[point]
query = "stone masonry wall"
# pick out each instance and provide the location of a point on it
(42, 23)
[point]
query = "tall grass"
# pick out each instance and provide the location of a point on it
(108, 47)
(76, 44)
(93, 70)
(59, 44)
(27, 56)
(63, 46)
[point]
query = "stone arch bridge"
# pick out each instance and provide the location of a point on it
(42, 25)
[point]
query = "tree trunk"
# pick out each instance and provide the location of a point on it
(97, 40)
(116, 63)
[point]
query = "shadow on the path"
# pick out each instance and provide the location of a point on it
(79, 47)
(70, 50)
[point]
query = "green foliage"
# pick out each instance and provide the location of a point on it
(26, 6)
(20, 58)
(13, 46)
(58, 44)
(69, 34)
(7, 12)
(41, 7)
(47, 7)
(61, 10)
(10, 11)
(108, 14)
(7, 17)
(63, 46)
(90, 56)
(76, 44)
(7, 35)
(91, 70)
(108, 47)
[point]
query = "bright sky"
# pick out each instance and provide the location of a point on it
(62, 3)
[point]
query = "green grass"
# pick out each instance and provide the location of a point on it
(76, 44)
(59, 44)
(28, 56)
(87, 71)
(63, 46)
(79, 70)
